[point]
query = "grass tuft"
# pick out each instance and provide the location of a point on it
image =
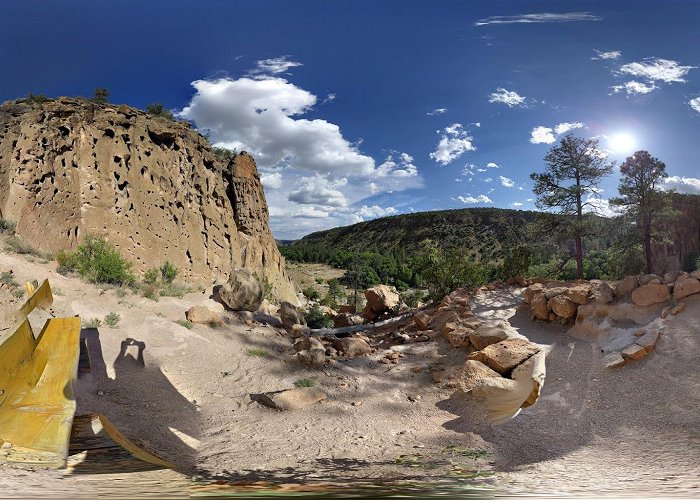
(260, 353)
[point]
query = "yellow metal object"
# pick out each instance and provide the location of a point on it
(36, 386)
(37, 406)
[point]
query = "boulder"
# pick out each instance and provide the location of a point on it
(562, 306)
(649, 294)
(648, 340)
(267, 309)
(347, 319)
(685, 287)
(672, 276)
(308, 343)
(613, 360)
(695, 274)
(635, 352)
(578, 294)
(472, 372)
(601, 292)
(540, 307)
(531, 291)
(485, 335)
(312, 357)
(458, 337)
(242, 291)
(291, 399)
(290, 315)
(352, 347)
(505, 355)
(202, 314)
(421, 320)
(626, 285)
(369, 314)
(441, 319)
(346, 308)
(382, 298)
(678, 309)
(649, 278)
(553, 292)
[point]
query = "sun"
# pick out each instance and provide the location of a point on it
(622, 143)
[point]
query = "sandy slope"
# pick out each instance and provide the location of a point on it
(190, 401)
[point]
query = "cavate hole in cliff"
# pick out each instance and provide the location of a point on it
(117, 159)
(64, 131)
(108, 132)
(163, 139)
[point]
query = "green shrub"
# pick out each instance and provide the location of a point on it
(443, 271)
(92, 323)
(168, 272)
(157, 109)
(305, 382)
(319, 280)
(36, 98)
(18, 293)
(412, 297)
(16, 245)
(224, 153)
(151, 291)
(316, 318)
(97, 261)
(259, 353)
(7, 226)
(185, 323)
(150, 276)
(112, 319)
(174, 290)
(100, 95)
(311, 293)
(516, 263)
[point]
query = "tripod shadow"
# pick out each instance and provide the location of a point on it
(141, 401)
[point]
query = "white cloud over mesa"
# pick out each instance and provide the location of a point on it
(543, 17)
(612, 54)
(454, 142)
(653, 71)
(314, 177)
(471, 200)
(548, 135)
(685, 185)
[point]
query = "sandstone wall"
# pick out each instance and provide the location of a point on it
(153, 187)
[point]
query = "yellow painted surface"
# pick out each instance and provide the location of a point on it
(36, 386)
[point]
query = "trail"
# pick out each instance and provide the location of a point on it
(631, 430)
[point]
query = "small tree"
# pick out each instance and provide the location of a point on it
(157, 109)
(569, 184)
(101, 95)
(335, 291)
(642, 200)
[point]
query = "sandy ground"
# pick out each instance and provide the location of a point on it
(628, 431)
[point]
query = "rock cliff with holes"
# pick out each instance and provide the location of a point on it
(153, 187)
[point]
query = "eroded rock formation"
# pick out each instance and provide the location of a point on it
(152, 186)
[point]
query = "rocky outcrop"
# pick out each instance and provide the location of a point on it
(153, 187)
(380, 299)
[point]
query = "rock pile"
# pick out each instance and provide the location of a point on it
(381, 299)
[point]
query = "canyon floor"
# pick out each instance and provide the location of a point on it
(188, 396)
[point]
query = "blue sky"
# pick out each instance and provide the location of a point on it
(357, 109)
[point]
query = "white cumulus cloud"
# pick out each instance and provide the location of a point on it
(454, 142)
(470, 200)
(437, 111)
(508, 97)
(542, 135)
(613, 54)
(271, 180)
(657, 69)
(516, 204)
(274, 66)
(695, 104)
(564, 127)
(492, 165)
(505, 181)
(542, 17)
(687, 185)
(634, 87)
(319, 190)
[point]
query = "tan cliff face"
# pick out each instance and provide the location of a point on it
(152, 186)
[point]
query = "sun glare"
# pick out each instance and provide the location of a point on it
(622, 143)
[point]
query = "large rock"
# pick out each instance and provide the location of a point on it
(459, 337)
(153, 187)
(531, 291)
(672, 276)
(649, 294)
(382, 298)
(554, 291)
(292, 399)
(242, 291)
(634, 352)
(505, 355)
(649, 278)
(601, 292)
(686, 287)
(441, 319)
(472, 372)
(290, 315)
(485, 335)
(352, 347)
(540, 307)
(202, 314)
(421, 320)
(347, 319)
(626, 285)
(562, 306)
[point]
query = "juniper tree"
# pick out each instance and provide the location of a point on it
(569, 186)
(642, 200)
